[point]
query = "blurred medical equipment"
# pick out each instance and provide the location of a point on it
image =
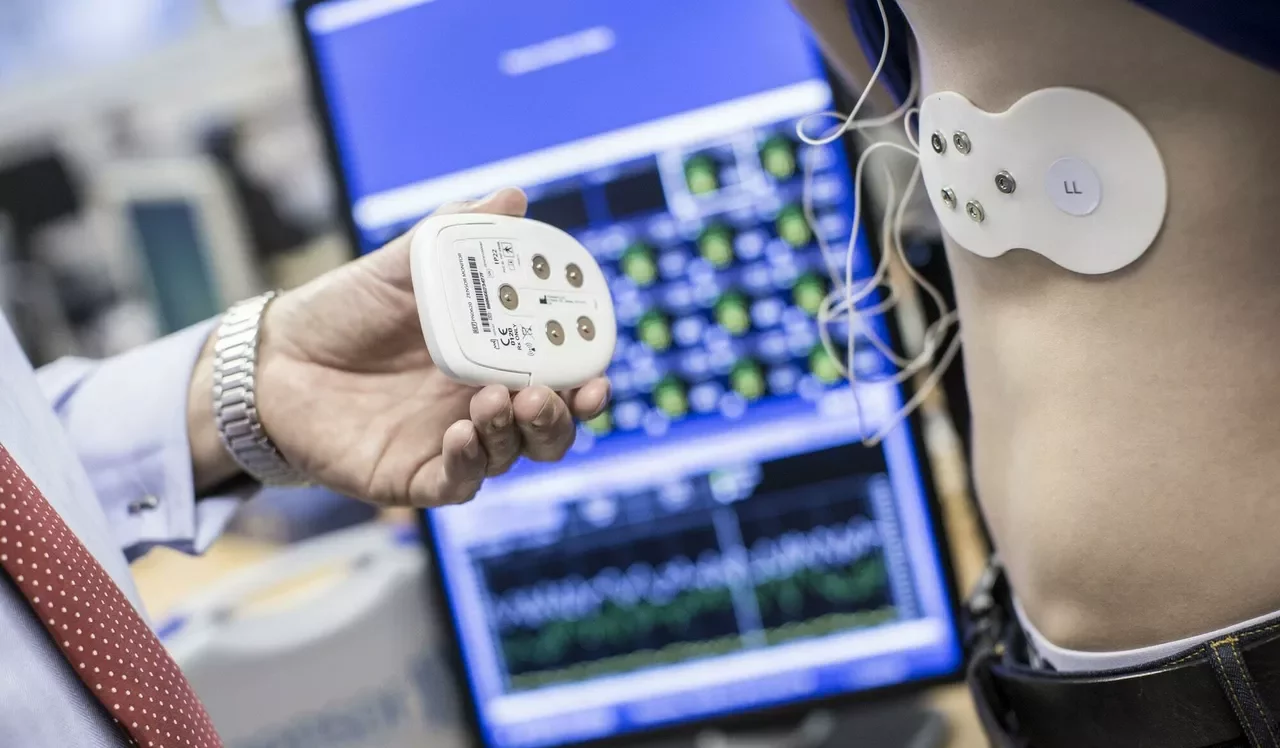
(37, 193)
(181, 218)
(327, 644)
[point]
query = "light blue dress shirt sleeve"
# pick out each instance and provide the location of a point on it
(126, 417)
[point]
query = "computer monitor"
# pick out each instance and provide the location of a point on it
(719, 543)
(180, 218)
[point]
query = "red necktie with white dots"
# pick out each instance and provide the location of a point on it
(94, 625)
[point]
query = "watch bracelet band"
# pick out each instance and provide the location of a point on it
(235, 408)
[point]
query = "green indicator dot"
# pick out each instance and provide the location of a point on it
(653, 331)
(601, 424)
(747, 380)
(733, 314)
(823, 366)
(670, 397)
(793, 227)
(778, 157)
(809, 292)
(639, 265)
(700, 174)
(716, 246)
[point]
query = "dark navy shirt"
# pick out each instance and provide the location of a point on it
(1248, 28)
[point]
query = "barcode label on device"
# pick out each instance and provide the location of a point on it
(482, 298)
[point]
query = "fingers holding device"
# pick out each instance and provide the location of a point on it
(511, 301)
(353, 400)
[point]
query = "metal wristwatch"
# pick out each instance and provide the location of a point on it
(235, 411)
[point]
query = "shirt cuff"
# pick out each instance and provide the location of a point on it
(127, 418)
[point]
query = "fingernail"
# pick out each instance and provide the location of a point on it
(604, 401)
(472, 449)
(544, 413)
(501, 422)
(492, 195)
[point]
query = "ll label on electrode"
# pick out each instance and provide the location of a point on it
(1073, 186)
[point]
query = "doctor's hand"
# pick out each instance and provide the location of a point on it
(351, 397)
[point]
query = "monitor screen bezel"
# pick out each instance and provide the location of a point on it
(442, 612)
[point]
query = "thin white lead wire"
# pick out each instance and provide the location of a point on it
(845, 297)
(849, 121)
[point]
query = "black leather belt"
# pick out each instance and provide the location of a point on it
(1221, 693)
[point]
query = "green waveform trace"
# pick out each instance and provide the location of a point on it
(613, 625)
(851, 597)
(830, 624)
(853, 586)
(632, 661)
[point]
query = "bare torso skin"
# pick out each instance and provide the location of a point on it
(1127, 426)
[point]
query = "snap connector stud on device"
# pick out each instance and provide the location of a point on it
(975, 211)
(541, 267)
(949, 197)
(938, 142)
(508, 296)
(555, 333)
(573, 274)
(961, 140)
(1005, 182)
(586, 328)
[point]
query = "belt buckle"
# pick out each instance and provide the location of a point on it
(998, 720)
(985, 612)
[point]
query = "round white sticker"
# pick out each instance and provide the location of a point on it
(1073, 186)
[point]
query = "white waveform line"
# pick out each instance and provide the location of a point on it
(574, 597)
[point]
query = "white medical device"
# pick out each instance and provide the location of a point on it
(1064, 173)
(511, 301)
(323, 645)
(180, 219)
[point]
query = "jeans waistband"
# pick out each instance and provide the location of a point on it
(1218, 693)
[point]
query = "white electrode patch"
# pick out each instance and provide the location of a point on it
(1064, 173)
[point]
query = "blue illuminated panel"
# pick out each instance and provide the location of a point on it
(718, 540)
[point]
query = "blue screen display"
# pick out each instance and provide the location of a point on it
(719, 540)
